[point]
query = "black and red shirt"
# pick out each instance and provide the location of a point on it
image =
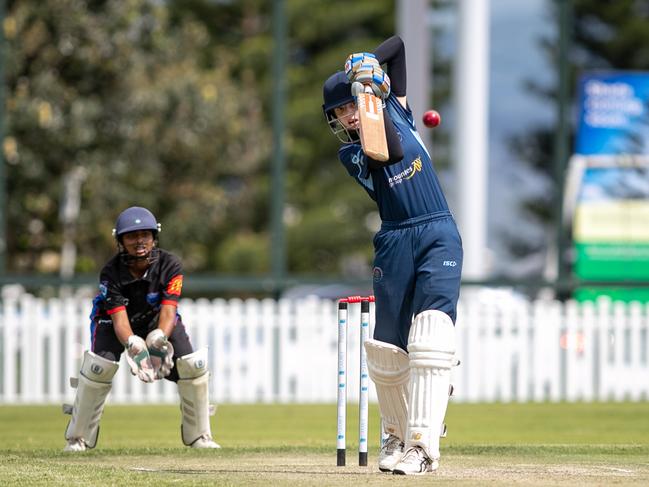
(141, 298)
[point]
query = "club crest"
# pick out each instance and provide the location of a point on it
(377, 274)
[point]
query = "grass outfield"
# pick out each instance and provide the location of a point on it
(499, 444)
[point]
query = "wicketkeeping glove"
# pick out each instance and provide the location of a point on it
(138, 358)
(161, 352)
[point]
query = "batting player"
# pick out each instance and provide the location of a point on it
(417, 264)
(136, 311)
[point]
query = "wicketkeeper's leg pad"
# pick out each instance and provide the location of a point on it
(93, 386)
(193, 388)
(431, 350)
(388, 367)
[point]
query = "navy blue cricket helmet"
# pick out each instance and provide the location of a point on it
(336, 92)
(133, 219)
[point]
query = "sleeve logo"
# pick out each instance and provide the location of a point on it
(175, 285)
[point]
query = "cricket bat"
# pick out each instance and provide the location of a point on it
(370, 118)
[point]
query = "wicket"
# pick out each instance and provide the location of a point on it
(342, 379)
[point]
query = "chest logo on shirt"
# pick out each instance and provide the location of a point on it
(415, 167)
(175, 285)
(408, 173)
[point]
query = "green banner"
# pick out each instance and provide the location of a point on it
(612, 261)
(616, 294)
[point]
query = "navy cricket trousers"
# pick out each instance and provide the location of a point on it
(417, 267)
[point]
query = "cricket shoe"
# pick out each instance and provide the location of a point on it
(205, 441)
(391, 453)
(415, 461)
(75, 444)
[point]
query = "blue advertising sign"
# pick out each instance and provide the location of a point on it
(613, 113)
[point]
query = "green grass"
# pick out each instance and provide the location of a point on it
(500, 444)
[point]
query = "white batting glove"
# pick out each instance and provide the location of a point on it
(138, 358)
(161, 352)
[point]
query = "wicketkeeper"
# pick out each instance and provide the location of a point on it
(417, 264)
(136, 311)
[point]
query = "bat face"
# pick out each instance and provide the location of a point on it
(372, 130)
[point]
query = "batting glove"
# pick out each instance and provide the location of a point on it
(161, 352)
(356, 60)
(375, 77)
(137, 356)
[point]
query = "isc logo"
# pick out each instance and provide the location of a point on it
(449, 263)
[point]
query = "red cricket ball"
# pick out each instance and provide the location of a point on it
(431, 118)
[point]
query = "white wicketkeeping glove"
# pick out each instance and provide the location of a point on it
(138, 358)
(161, 352)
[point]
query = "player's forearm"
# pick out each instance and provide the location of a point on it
(393, 53)
(121, 326)
(395, 149)
(167, 319)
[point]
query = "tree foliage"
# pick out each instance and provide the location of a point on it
(169, 105)
(152, 116)
(326, 218)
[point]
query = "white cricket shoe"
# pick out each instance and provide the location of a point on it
(415, 462)
(205, 441)
(391, 453)
(75, 444)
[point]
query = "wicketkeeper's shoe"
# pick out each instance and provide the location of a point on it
(391, 453)
(415, 462)
(75, 444)
(205, 441)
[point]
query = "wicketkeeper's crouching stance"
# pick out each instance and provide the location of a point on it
(136, 311)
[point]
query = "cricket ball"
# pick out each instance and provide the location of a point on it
(431, 118)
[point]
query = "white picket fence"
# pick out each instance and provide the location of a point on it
(285, 351)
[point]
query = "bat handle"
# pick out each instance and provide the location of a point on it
(357, 88)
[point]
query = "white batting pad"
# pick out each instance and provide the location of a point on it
(388, 367)
(431, 348)
(95, 380)
(193, 385)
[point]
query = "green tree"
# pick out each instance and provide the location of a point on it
(327, 214)
(169, 105)
(150, 113)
